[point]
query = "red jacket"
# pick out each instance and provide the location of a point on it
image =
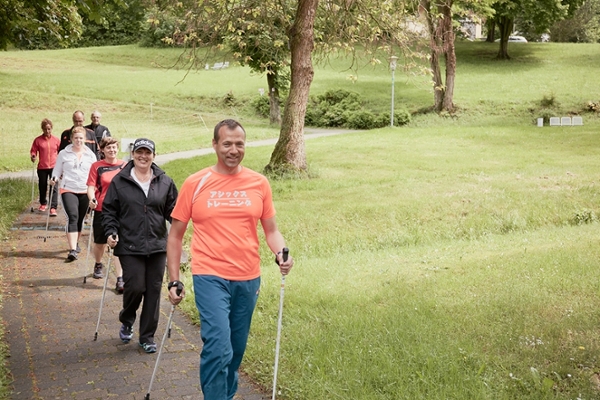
(48, 150)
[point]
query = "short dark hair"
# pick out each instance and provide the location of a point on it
(229, 123)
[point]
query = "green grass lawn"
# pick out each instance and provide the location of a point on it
(139, 96)
(455, 258)
(435, 263)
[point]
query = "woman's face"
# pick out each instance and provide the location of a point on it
(47, 131)
(142, 158)
(110, 151)
(77, 139)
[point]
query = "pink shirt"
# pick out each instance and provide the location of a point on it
(47, 147)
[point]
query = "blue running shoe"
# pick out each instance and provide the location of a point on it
(126, 333)
(148, 347)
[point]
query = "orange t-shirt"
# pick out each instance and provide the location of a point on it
(225, 210)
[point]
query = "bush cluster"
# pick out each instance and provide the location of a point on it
(261, 106)
(342, 108)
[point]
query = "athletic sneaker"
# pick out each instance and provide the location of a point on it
(126, 333)
(120, 285)
(42, 207)
(53, 212)
(72, 256)
(148, 347)
(98, 271)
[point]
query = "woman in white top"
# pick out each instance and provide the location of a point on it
(73, 166)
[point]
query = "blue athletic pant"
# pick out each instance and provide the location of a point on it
(225, 309)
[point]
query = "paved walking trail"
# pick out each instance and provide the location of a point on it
(50, 318)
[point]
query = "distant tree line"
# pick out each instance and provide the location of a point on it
(44, 24)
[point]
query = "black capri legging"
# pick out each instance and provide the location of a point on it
(76, 205)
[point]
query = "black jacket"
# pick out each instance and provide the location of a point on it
(139, 220)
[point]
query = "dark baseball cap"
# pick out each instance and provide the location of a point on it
(143, 143)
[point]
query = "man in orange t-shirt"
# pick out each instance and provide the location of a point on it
(225, 203)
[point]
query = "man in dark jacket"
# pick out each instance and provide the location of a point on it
(100, 131)
(90, 136)
(136, 208)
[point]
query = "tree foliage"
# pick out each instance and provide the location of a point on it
(39, 23)
(116, 22)
(583, 26)
(539, 14)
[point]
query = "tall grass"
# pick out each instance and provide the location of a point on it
(437, 264)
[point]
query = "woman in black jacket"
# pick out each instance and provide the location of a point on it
(136, 208)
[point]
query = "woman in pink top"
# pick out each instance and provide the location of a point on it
(46, 146)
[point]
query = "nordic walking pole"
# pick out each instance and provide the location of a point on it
(48, 215)
(87, 256)
(285, 252)
(32, 185)
(103, 292)
(179, 289)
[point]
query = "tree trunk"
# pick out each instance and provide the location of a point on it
(274, 114)
(491, 30)
(449, 55)
(505, 25)
(438, 84)
(441, 37)
(289, 154)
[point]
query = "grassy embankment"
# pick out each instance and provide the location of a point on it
(453, 258)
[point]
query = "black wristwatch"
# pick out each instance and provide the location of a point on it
(174, 283)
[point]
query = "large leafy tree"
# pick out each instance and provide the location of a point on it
(540, 14)
(23, 22)
(271, 36)
(255, 31)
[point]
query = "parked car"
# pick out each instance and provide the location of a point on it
(515, 39)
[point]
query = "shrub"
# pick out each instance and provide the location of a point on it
(361, 120)
(330, 109)
(341, 108)
(381, 120)
(584, 217)
(549, 100)
(261, 106)
(401, 117)
(229, 100)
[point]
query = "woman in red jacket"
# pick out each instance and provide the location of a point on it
(46, 145)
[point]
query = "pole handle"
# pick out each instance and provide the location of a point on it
(284, 255)
(285, 252)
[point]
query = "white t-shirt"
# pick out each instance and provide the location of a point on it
(144, 185)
